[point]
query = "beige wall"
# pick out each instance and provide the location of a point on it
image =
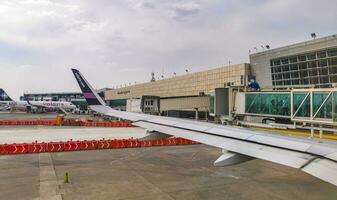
(185, 103)
(186, 85)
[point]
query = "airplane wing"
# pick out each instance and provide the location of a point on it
(317, 157)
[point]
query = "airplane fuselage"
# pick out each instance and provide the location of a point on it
(48, 105)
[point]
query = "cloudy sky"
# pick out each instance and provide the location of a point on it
(117, 42)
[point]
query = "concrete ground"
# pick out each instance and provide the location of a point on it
(178, 172)
(28, 134)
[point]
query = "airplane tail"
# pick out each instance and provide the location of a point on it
(4, 96)
(89, 93)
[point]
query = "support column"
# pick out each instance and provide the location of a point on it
(196, 114)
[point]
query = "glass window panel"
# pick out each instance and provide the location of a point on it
(313, 72)
(312, 64)
(332, 52)
(285, 61)
(276, 62)
(304, 81)
(324, 79)
(302, 58)
(326, 109)
(333, 70)
(311, 56)
(295, 82)
(295, 75)
(287, 82)
(286, 76)
(332, 61)
(294, 67)
(278, 69)
(323, 71)
(314, 80)
(285, 68)
(268, 103)
(304, 110)
(293, 60)
(304, 74)
(333, 79)
(323, 63)
(321, 54)
(303, 65)
(279, 76)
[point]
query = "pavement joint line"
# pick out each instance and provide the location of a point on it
(49, 187)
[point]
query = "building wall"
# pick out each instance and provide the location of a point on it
(186, 85)
(185, 103)
(260, 62)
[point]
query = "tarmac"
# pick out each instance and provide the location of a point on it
(29, 134)
(178, 172)
(175, 172)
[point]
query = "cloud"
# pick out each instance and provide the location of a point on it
(186, 9)
(109, 40)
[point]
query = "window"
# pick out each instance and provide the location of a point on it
(311, 56)
(285, 68)
(304, 74)
(312, 65)
(323, 71)
(332, 52)
(295, 82)
(294, 67)
(293, 60)
(303, 66)
(313, 80)
(333, 61)
(323, 63)
(286, 76)
(313, 72)
(302, 58)
(285, 61)
(295, 75)
(321, 54)
(277, 62)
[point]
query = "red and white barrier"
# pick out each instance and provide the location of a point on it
(88, 145)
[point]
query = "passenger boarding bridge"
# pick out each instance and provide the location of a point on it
(314, 109)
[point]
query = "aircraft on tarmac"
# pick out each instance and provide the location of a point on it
(7, 103)
(317, 157)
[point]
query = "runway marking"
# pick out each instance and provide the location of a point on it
(49, 187)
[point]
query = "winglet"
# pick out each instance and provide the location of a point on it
(89, 93)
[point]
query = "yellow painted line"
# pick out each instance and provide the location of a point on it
(333, 137)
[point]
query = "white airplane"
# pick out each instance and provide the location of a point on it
(6, 103)
(317, 157)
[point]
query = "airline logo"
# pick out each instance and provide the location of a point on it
(56, 104)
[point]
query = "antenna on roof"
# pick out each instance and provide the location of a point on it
(313, 35)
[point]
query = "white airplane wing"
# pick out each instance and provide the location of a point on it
(317, 157)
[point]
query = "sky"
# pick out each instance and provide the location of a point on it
(120, 42)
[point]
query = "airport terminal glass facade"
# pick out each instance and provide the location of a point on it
(315, 68)
(268, 103)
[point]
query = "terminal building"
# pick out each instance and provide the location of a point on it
(298, 89)
(179, 95)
